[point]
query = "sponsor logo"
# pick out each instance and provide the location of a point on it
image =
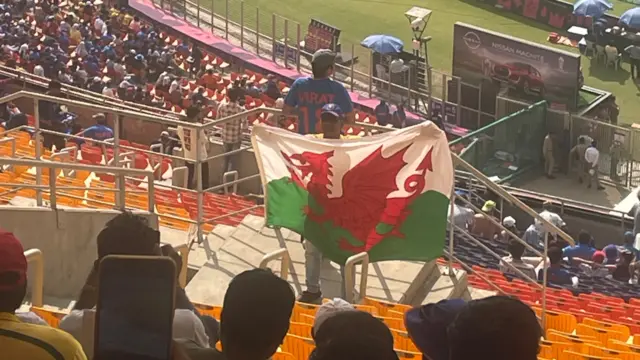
(472, 40)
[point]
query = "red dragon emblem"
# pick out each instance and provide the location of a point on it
(365, 188)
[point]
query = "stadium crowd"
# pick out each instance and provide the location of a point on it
(256, 313)
(617, 262)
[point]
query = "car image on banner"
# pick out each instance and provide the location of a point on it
(515, 68)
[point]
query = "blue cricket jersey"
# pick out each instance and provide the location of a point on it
(99, 132)
(309, 95)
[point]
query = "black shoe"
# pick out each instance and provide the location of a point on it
(600, 187)
(310, 297)
(589, 186)
(551, 177)
(580, 180)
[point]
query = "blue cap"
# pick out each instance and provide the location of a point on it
(332, 109)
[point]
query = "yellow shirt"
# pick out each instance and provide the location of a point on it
(22, 341)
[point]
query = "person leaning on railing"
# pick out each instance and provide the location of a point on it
(50, 117)
(189, 147)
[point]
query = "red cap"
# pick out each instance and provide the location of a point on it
(12, 259)
(598, 257)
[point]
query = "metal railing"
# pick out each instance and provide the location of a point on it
(350, 275)
(280, 254)
(35, 259)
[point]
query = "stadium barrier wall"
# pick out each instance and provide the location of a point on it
(67, 235)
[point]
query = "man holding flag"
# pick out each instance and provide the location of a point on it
(307, 98)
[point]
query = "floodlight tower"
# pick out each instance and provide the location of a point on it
(418, 18)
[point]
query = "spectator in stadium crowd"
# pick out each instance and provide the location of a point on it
(592, 156)
(509, 223)
(611, 254)
(624, 269)
(516, 250)
(308, 95)
(462, 215)
(482, 224)
(19, 339)
(353, 335)
(167, 142)
(232, 130)
(497, 328)
(596, 267)
(556, 274)
(50, 118)
(329, 309)
(190, 144)
(128, 234)
(577, 154)
(636, 216)
(399, 116)
(582, 249)
(548, 155)
(306, 98)
(271, 87)
(533, 234)
(383, 115)
(255, 318)
(100, 131)
(427, 327)
(628, 241)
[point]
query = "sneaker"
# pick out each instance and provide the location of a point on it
(310, 297)
(600, 187)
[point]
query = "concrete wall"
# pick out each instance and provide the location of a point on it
(67, 239)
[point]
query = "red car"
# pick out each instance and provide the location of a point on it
(521, 76)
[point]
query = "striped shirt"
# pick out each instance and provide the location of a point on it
(232, 130)
(20, 340)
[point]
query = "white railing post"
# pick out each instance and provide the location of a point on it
(282, 254)
(36, 265)
(36, 136)
(451, 227)
(350, 275)
(200, 194)
(183, 250)
(234, 175)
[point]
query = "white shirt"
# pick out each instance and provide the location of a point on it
(462, 216)
(189, 143)
(551, 217)
(98, 24)
(186, 325)
(108, 92)
(592, 155)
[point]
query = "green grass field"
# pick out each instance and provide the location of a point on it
(359, 18)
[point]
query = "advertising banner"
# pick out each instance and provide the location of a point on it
(515, 68)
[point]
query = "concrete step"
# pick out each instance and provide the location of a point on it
(245, 247)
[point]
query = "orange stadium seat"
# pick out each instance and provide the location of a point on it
(50, 316)
(299, 347)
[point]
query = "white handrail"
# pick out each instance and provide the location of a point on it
(349, 275)
(35, 260)
(285, 261)
(183, 250)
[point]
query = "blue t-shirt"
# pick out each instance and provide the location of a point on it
(99, 132)
(556, 275)
(309, 95)
(579, 251)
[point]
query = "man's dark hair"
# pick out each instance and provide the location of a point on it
(497, 328)
(234, 94)
(580, 140)
(555, 255)
(11, 300)
(320, 72)
(516, 248)
(353, 335)
(255, 315)
(128, 234)
(584, 238)
(594, 143)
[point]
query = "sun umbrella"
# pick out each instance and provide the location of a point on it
(631, 18)
(593, 8)
(384, 44)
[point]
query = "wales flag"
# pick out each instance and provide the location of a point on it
(386, 194)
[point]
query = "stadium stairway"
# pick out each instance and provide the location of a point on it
(229, 250)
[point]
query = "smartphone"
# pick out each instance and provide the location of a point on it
(134, 312)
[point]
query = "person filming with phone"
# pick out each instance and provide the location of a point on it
(129, 234)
